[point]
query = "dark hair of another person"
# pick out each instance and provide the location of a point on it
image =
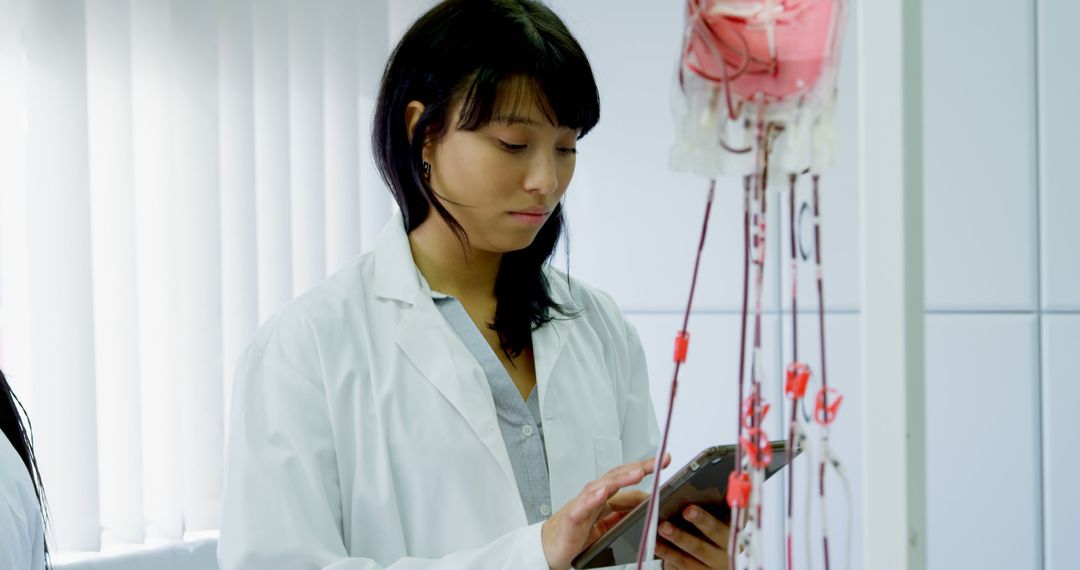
(22, 439)
(494, 57)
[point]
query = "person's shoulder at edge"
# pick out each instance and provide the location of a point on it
(297, 326)
(594, 305)
(18, 505)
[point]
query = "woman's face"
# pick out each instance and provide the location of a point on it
(502, 181)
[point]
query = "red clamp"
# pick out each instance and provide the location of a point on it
(757, 251)
(750, 404)
(824, 415)
(682, 344)
(798, 375)
(738, 489)
(756, 445)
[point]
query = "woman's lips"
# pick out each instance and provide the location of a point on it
(531, 217)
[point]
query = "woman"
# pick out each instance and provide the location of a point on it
(448, 400)
(22, 501)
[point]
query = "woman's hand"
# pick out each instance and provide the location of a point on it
(683, 551)
(594, 510)
(618, 507)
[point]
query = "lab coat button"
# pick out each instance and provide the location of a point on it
(545, 510)
(527, 430)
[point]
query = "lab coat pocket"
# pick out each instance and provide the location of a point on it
(608, 454)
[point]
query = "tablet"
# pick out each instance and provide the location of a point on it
(702, 482)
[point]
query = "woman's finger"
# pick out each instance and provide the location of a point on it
(592, 502)
(607, 522)
(715, 530)
(703, 550)
(611, 484)
(625, 500)
(676, 559)
(621, 502)
(646, 465)
(631, 473)
(587, 504)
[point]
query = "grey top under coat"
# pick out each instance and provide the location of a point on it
(519, 420)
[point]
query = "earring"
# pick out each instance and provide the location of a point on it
(427, 169)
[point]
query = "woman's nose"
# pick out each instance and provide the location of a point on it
(543, 175)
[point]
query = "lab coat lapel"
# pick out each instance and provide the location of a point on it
(424, 337)
(548, 344)
(427, 341)
(562, 440)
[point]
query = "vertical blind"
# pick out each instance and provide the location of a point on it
(171, 173)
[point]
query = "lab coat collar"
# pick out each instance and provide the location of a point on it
(427, 341)
(396, 276)
(426, 338)
(548, 344)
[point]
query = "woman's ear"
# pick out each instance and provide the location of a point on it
(413, 112)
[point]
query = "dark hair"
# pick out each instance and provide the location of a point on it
(22, 439)
(488, 55)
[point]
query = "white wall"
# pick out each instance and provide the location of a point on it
(1058, 238)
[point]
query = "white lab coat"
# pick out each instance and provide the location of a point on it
(363, 433)
(22, 530)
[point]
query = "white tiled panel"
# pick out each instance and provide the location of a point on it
(838, 204)
(979, 153)
(1059, 122)
(982, 427)
(634, 223)
(1061, 396)
(844, 373)
(706, 404)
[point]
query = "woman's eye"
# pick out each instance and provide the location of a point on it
(511, 147)
(568, 150)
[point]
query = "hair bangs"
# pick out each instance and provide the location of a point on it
(557, 82)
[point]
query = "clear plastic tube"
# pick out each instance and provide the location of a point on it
(647, 545)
